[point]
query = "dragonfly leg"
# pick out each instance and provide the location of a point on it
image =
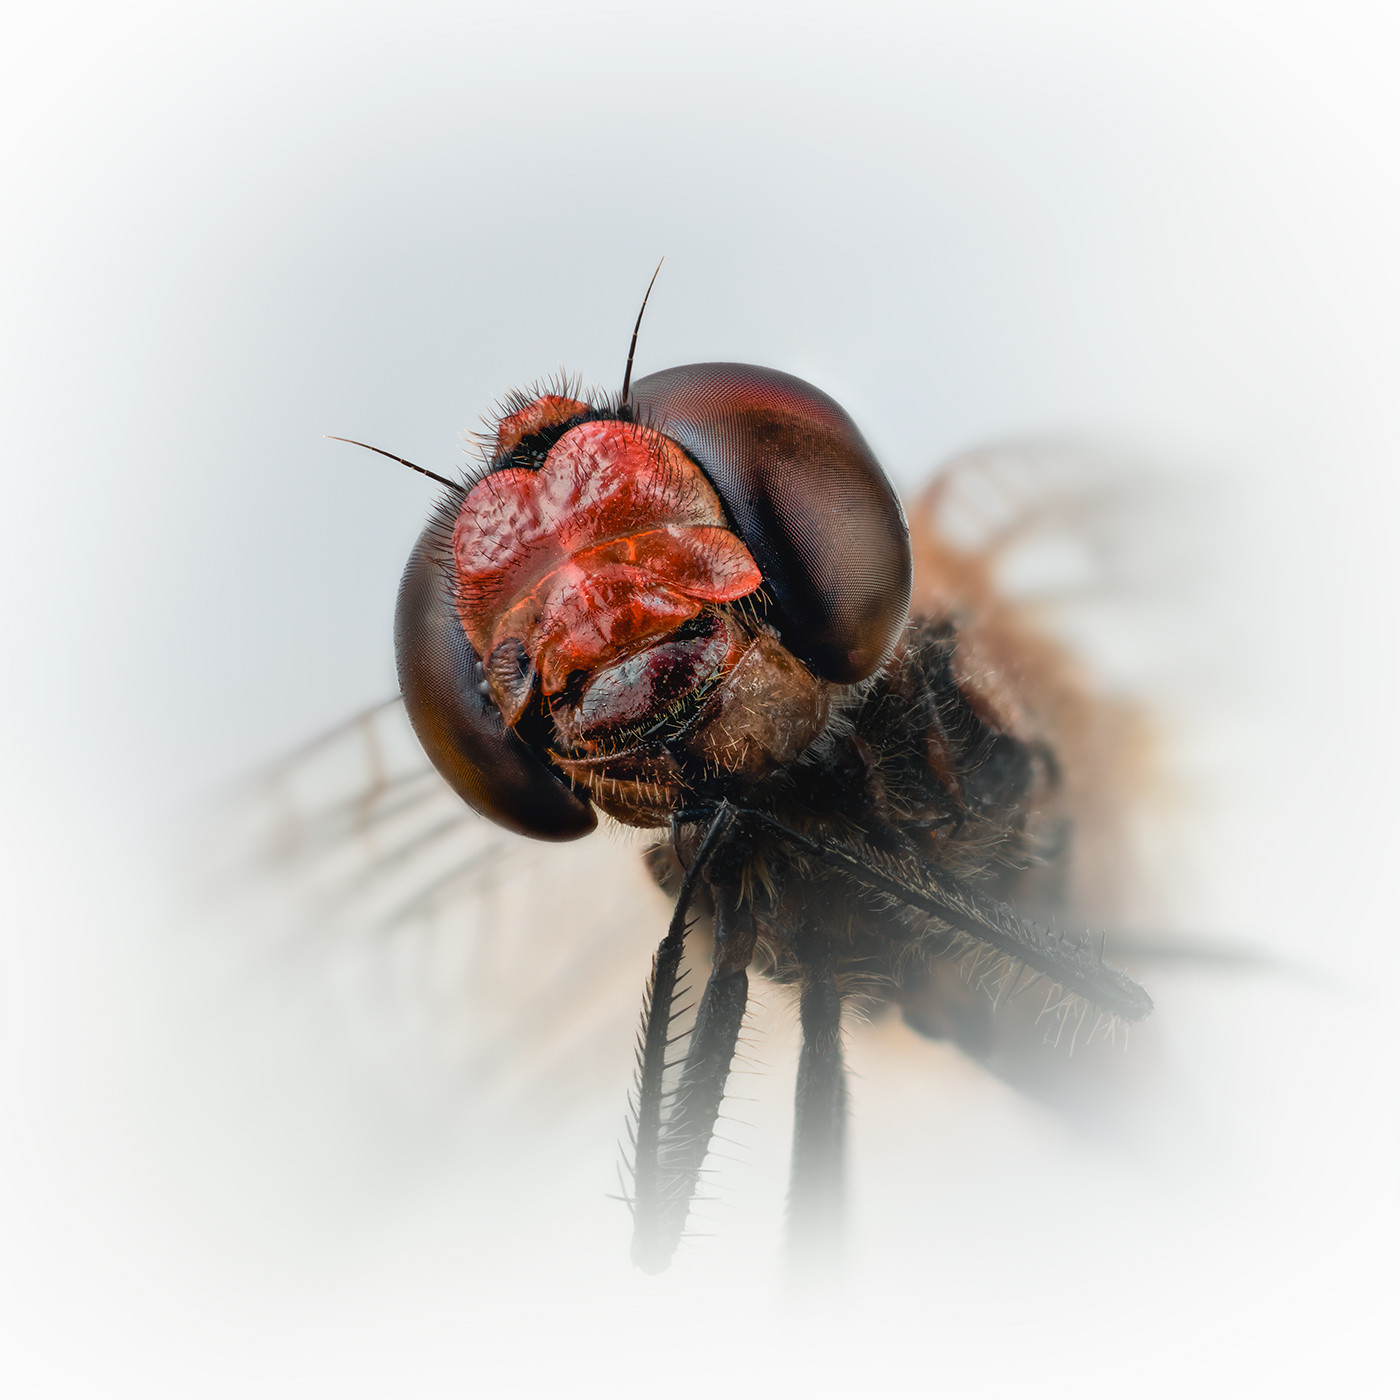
(817, 1188)
(690, 1124)
(670, 1143)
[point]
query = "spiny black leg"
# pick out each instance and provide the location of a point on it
(1071, 963)
(688, 1127)
(816, 1194)
(654, 1184)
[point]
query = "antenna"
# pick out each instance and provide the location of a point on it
(441, 480)
(632, 349)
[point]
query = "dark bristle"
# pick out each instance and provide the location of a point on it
(632, 349)
(403, 461)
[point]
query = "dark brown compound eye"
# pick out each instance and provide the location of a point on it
(458, 724)
(806, 496)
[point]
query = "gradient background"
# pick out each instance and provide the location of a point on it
(231, 230)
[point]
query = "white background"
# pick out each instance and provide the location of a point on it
(231, 230)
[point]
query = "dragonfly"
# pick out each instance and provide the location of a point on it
(697, 609)
(863, 770)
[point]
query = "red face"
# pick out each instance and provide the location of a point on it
(614, 543)
(597, 582)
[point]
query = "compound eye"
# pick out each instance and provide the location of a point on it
(459, 726)
(806, 496)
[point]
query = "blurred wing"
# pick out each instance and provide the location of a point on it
(506, 968)
(1080, 584)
